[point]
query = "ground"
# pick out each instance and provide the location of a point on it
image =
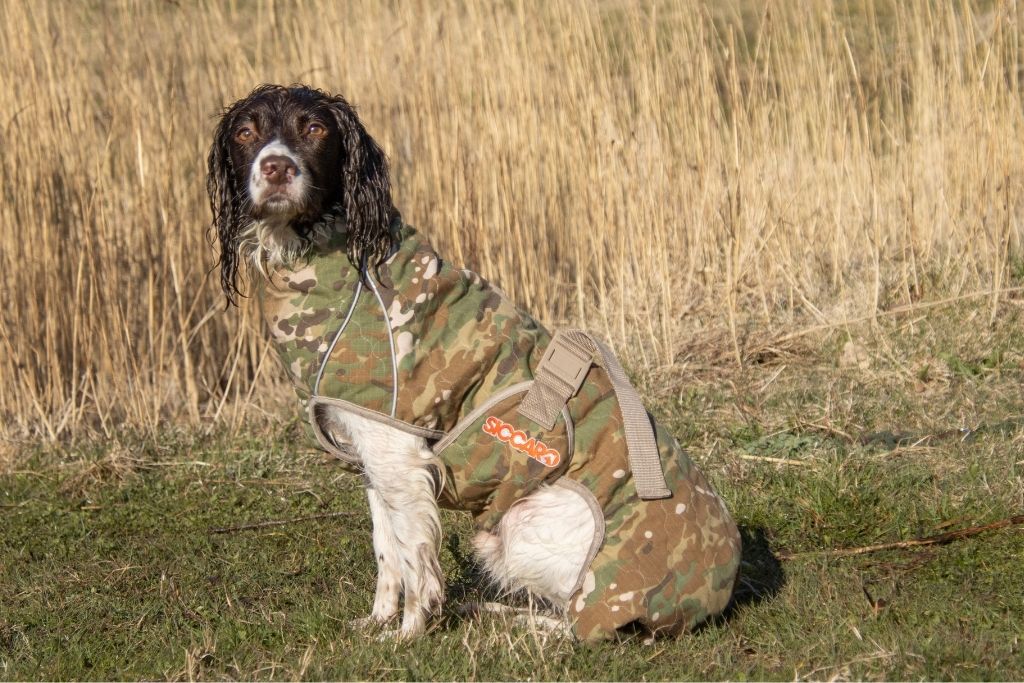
(124, 558)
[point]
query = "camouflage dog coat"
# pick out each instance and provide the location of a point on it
(440, 353)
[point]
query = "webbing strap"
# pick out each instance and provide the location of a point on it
(559, 375)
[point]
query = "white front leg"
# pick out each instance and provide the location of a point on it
(385, 549)
(402, 498)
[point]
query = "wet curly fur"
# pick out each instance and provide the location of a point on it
(351, 173)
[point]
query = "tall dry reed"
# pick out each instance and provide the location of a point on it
(660, 172)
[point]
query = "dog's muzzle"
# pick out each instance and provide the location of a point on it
(277, 182)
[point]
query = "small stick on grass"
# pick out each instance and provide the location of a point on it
(912, 543)
(276, 522)
(777, 461)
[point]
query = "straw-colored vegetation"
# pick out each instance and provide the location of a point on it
(696, 180)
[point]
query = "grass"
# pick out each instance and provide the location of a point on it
(112, 567)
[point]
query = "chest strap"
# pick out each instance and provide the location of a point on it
(559, 375)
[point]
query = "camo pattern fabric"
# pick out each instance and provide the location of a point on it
(457, 339)
(486, 475)
(465, 356)
(668, 564)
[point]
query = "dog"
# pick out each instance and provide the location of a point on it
(430, 382)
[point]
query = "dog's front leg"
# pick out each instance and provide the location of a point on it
(406, 522)
(406, 495)
(389, 568)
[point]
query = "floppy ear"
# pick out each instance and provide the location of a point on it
(225, 203)
(365, 191)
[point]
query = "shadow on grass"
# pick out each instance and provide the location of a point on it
(761, 573)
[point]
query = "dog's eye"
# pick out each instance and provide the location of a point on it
(316, 130)
(244, 134)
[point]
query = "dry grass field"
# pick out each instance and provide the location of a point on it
(695, 180)
(799, 223)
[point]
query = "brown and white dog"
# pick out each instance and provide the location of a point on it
(442, 386)
(281, 158)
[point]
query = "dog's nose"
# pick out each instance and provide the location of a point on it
(278, 169)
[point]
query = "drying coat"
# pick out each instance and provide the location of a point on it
(440, 353)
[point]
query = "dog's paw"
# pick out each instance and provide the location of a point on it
(407, 632)
(414, 621)
(412, 626)
(391, 635)
(371, 623)
(384, 611)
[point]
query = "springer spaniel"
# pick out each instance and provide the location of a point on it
(301, 197)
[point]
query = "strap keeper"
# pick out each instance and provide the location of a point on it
(568, 364)
(559, 375)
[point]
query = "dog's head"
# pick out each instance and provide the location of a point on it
(281, 158)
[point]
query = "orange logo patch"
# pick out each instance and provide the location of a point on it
(521, 441)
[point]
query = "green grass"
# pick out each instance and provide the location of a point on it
(110, 568)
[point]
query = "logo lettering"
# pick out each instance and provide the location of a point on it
(521, 441)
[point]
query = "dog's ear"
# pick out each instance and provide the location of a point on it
(225, 203)
(365, 191)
